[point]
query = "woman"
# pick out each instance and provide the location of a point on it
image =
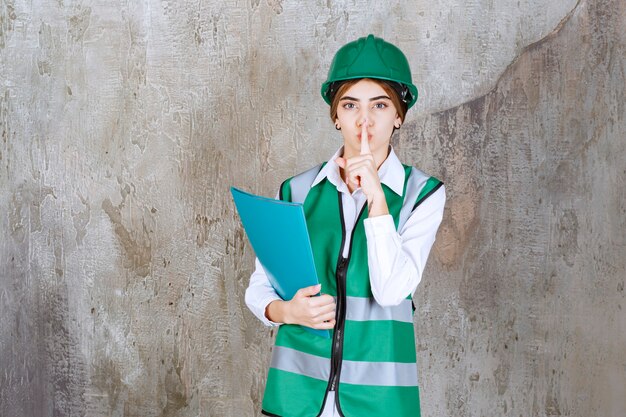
(372, 222)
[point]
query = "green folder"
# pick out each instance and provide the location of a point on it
(279, 236)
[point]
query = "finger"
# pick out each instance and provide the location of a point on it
(329, 301)
(366, 163)
(324, 317)
(355, 180)
(355, 177)
(326, 325)
(326, 309)
(322, 300)
(341, 162)
(308, 291)
(365, 146)
(352, 179)
(357, 159)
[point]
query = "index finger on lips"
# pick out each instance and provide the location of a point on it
(365, 146)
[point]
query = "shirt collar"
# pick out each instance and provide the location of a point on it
(391, 173)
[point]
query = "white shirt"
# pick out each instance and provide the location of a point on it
(396, 259)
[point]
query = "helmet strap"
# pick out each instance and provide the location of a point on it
(332, 90)
(402, 90)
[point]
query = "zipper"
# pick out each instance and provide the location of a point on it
(337, 349)
(341, 274)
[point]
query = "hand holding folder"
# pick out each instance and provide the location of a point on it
(278, 234)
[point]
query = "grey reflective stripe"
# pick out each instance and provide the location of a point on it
(415, 183)
(291, 360)
(301, 184)
(379, 373)
(363, 309)
(352, 372)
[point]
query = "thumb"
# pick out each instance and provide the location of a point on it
(341, 162)
(308, 291)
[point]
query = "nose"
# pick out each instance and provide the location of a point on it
(364, 118)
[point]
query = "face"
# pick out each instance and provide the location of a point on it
(367, 100)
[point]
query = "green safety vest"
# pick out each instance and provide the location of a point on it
(370, 359)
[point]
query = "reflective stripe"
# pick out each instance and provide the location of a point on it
(379, 373)
(291, 360)
(415, 183)
(364, 309)
(301, 184)
(352, 372)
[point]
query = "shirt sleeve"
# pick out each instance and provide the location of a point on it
(260, 293)
(396, 259)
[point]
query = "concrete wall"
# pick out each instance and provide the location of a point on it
(123, 265)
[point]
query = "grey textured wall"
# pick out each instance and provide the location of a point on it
(123, 265)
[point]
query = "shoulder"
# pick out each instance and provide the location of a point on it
(299, 183)
(421, 186)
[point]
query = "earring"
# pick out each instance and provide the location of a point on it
(337, 127)
(398, 125)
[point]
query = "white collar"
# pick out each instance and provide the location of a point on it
(391, 172)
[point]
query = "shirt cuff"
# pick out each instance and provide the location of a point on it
(263, 317)
(379, 225)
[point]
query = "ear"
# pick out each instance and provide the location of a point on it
(398, 122)
(337, 125)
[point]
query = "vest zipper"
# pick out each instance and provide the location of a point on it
(337, 350)
(341, 276)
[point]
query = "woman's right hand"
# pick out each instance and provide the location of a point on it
(306, 309)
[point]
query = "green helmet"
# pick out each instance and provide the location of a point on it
(371, 57)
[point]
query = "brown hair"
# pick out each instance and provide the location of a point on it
(400, 106)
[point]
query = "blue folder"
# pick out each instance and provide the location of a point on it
(279, 236)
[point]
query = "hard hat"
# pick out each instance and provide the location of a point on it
(370, 57)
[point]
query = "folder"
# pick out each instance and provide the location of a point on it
(278, 234)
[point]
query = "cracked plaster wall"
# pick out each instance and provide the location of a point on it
(123, 265)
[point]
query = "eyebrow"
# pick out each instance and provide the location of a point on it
(371, 99)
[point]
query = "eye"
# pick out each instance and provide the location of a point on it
(380, 105)
(349, 106)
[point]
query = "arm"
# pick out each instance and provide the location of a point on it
(397, 260)
(305, 308)
(260, 294)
